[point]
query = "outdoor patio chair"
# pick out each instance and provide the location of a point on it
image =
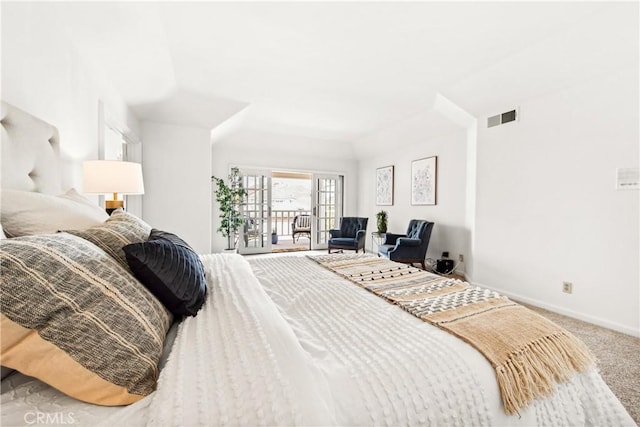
(301, 225)
(250, 231)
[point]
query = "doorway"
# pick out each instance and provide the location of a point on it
(291, 211)
(288, 211)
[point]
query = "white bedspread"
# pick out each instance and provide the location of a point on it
(302, 346)
(387, 367)
(238, 362)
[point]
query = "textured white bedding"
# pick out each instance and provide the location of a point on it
(302, 346)
(26, 400)
(387, 367)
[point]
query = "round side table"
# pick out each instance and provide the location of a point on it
(376, 240)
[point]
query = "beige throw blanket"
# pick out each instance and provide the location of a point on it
(529, 353)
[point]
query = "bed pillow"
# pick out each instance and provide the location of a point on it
(26, 213)
(75, 319)
(171, 270)
(121, 229)
(72, 194)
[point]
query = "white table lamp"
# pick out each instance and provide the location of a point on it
(112, 176)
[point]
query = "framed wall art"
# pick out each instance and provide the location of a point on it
(384, 186)
(424, 181)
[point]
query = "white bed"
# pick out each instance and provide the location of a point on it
(283, 341)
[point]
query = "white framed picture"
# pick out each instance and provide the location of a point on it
(384, 186)
(424, 181)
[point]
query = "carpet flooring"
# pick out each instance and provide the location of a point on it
(618, 357)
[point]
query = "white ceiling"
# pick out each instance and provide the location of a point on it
(340, 71)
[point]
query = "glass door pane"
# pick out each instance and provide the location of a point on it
(255, 233)
(327, 208)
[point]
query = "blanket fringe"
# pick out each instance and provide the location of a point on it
(532, 371)
(530, 354)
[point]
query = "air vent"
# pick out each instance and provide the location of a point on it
(500, 119)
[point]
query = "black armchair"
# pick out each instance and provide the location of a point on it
(351, 234)
(410, 247)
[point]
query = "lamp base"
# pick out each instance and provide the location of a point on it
(112, 205)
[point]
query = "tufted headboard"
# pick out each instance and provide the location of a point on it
(30, 150)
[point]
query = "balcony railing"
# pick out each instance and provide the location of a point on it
(282, 220)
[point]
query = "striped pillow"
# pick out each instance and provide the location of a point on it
(75, 319)
(119, 230)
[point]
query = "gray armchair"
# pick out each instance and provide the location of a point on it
(410, 247)
(351, 234)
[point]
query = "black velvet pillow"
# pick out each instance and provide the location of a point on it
(171, 270)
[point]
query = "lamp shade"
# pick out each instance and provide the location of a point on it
(112, 176)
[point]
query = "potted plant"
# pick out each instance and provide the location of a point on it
(274, 234)
(382, 217)
(229, 197)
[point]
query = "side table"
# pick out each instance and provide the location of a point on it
(376, 240)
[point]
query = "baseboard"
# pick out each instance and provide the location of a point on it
(560, 310)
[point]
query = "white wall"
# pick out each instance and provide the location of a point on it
(260, 149)
(176, 162)
(43, 74)
(547, 208)
(450, 232)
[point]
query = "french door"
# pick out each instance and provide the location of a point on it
(254, 236)
(327, 208)
(255, 233)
